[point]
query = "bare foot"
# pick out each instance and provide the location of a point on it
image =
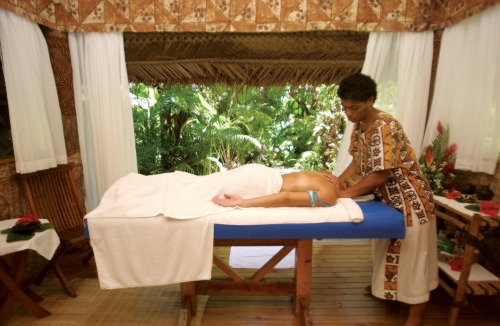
(413, 322)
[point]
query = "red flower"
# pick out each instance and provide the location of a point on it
(448, 167)
(452, 149)
(28, 218)
(489, 208)
(457, 264)
(429, 156)
(440, 128)
(452, 194)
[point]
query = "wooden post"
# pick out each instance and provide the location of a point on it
(458, 299)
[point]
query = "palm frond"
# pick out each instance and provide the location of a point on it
(251, 140)
(184, 167)
(440, 145)
(217, 162)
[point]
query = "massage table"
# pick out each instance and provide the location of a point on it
(379, 221)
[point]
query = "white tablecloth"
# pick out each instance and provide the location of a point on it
(455, 205)
(45, 243)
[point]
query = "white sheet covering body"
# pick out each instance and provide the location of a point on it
(156, 230)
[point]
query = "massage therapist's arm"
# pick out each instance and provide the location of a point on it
(349, 171)
(366, 185)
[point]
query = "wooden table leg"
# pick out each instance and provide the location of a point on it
(12, 280)
(188, 303)
(460, 292)
(303, 274)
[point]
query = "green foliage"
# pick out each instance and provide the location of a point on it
(309, 161)
(206, 128)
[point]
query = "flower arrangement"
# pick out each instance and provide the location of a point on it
(438, 161)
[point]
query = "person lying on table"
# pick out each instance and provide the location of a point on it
(298, 189)
(406, 269)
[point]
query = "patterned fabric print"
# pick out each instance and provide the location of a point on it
(244, 16)
(391, 269)
(385, 146)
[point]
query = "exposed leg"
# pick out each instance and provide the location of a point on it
(415, 314)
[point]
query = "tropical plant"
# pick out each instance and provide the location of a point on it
(438, 159)
(206, 128)
(228, 144)
(162, 141)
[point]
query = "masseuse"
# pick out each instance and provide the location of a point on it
(404, 269)
(298, 189)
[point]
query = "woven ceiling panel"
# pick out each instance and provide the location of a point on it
(244, 58)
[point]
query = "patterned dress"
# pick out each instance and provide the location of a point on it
(396, 261)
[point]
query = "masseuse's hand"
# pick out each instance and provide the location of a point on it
(331, 178)
(228, 200)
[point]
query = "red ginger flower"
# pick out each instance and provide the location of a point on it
(452, 149)
(440, 128)
(448, 168)
(429, 156)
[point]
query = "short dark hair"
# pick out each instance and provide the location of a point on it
(357, 87)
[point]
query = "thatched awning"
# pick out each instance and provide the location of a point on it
(244, 58)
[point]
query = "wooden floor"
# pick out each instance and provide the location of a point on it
(341, 272)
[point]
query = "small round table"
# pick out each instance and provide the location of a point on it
(45, 243)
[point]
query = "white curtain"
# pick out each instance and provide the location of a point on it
(35, 115)
(104, 114)
(467, 91)
(401, 65)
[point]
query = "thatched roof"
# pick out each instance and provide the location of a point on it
(244, 58)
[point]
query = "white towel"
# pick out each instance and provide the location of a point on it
(151, 251)
(156, 230)
(183, 195)
(178, 247)
(191, 196)
(346, 210)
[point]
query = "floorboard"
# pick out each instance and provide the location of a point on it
(341, 272)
